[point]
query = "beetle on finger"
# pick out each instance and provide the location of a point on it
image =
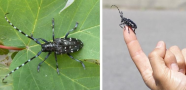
(126, 22)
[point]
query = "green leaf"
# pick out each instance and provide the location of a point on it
(35, 17)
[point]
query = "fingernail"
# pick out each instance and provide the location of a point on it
(174, 67)
(160, 44)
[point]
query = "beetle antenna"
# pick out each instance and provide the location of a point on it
(117, 8)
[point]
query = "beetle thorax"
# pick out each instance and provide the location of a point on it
(48, 47)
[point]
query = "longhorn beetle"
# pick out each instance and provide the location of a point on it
(58, 46)
(126, 22)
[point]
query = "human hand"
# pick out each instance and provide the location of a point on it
(164, 69)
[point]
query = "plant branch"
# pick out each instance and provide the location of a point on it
(10, 48)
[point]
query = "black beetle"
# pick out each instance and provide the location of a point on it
(126, 21)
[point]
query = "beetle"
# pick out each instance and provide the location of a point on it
(58, 46)
(126, 22)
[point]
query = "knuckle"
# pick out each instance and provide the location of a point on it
(173, 48)
(181, 61)
(169, 55)
(152, 54)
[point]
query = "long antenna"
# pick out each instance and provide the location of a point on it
(21, 66)
(117, 8)
(21, 31)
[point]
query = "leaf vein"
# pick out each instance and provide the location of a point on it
(70, 34)
(17, 33)
(74, 15)
(29, 8)
(88, 14)
(84, 30)
(60, 72)
(36, 20)
(50, 12)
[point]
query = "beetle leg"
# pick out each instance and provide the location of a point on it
(38, 67)
(71, 30)
(42, 40)
(121, 25)
(134, 31)
(53, 27)
(126, 28)
(76, 60)
(56, 63)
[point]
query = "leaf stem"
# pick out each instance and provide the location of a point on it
(10, 48)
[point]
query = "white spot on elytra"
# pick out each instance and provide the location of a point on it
(23, 64)
(10, 23)
(20, 31)
(29, 60)
(14, 27)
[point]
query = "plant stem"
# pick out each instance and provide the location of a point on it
(10, 48)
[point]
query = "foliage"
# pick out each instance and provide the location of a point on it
(35, 17)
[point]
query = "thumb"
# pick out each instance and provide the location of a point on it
(156, 58)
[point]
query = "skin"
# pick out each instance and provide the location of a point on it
(162, 69)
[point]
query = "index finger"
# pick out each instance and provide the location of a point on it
(136, 53)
